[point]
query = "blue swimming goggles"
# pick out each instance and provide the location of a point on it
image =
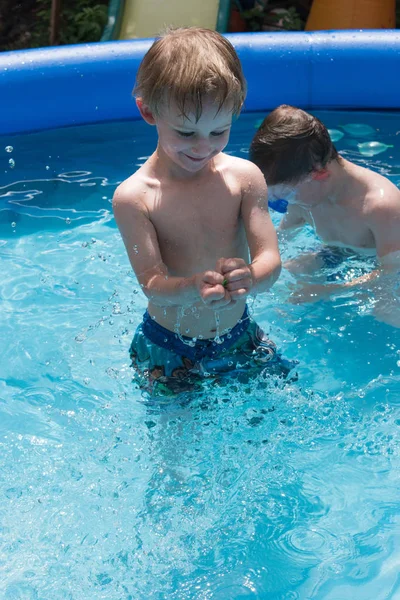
(280, 205)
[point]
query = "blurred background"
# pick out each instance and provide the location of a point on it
(38, 23)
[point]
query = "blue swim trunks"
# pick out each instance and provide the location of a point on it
(334, 260)
(166, 363)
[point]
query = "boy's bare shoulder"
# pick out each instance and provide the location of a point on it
(383, 196)
(242, 165)
(244, 170)
(133, 191)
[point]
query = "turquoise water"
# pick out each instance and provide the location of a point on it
(251, 490)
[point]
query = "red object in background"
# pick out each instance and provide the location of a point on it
(236, 21)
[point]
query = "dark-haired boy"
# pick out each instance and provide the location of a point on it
(350, 207)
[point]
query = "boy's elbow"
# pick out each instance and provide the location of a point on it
(151, 289)
(277, 269)
(266, 272)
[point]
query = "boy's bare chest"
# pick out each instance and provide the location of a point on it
(345, 227)
(210, 216)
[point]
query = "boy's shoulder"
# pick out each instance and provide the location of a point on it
(382, 199)
(242, 164)
(243, 169)
(133, 190)
(380, 188)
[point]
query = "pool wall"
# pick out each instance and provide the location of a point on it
(73, 85)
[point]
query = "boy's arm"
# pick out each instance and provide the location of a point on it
(384, 223)
(385, 226)
(292, 219)
(262, 239)
(141, 243)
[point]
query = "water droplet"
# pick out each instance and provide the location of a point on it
(68, 221)
(11, 162)
(47, 167)
(9, 148)
(136, 249)
(335, 135)
(13, 224)
(372, 148)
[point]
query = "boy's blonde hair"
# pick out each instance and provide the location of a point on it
(186, 65)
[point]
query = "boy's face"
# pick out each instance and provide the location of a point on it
(306, 193)
(189, 144)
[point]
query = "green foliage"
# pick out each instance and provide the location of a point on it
(254, 18)
(290, 20)
(258, 19)
(80, 22)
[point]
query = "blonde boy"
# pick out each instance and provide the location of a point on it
(194, 220)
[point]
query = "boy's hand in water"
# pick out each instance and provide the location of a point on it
(210, 285)
(237, 275)
(309, 293)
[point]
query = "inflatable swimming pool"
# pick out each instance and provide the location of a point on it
(253, 489)
(74, 85)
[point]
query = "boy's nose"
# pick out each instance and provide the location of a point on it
(201, 148)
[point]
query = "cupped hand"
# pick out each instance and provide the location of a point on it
(210, 285)
(237, 275)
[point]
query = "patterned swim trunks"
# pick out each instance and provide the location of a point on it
(166, 363)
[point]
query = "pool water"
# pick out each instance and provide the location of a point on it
(252, 490)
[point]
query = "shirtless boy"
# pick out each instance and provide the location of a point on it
(194, 220)
(350, 207)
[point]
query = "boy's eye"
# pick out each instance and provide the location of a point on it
(185, 133)
(217, 133)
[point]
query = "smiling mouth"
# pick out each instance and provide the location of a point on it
(196, 159)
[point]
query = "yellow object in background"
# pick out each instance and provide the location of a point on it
(128, 19)
(146, 18)
(352, 14)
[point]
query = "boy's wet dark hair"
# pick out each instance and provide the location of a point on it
(290, 144)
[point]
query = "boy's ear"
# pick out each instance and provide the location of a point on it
(145, 112)
(320, 175)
